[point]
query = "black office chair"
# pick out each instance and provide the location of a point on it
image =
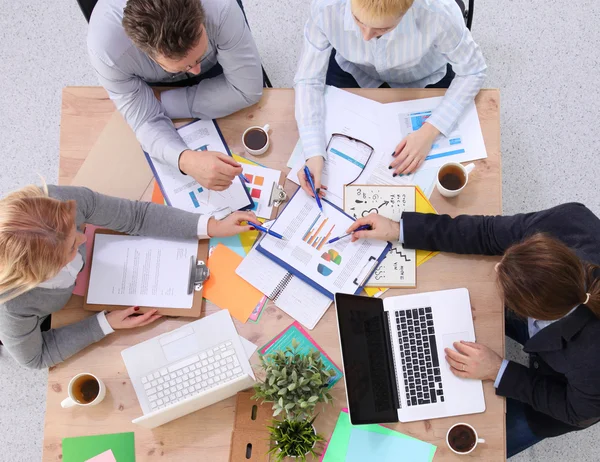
(467, 12)
(87, 6)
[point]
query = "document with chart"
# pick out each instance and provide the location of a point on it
(343, 266)
(399, 268)
(185, 193)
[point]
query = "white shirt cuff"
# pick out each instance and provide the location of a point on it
(104, 325)
(203, 227)
(500, 373)
(401, 237)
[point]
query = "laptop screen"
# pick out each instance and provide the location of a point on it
(367, 356)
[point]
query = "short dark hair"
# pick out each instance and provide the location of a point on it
(169, 28)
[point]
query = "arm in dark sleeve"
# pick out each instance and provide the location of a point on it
(466, 234)
(572, 402)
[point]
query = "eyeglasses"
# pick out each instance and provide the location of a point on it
(362, 151)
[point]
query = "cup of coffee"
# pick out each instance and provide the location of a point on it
(256, 140)
(84, 390)
(452, 178)
(462, 439)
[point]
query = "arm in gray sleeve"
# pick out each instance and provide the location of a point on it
(35, 349)
(130, 217)
(142, 111)
(238, 87)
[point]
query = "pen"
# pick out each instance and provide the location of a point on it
(267, 230)
(244, 179)
(312, 186)
(360, 228)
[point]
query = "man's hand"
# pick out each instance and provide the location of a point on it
(315, 165)
(473, 361)
(412, 150)
(213, 170)
(231, 225)
(127, 319)
(382, 228)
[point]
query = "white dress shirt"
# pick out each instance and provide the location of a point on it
(430, 35)
(68, 274)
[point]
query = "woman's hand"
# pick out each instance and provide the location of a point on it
(127, 319)
(473, 361)
(382, 228)
(231, 225)
(315, 165)
(412, 150)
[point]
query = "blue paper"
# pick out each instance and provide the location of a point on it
(366, 445)
(233, 242)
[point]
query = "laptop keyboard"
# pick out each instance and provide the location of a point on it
(192, 376)
(418, 353)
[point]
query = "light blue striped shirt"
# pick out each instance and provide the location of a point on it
(430, 35)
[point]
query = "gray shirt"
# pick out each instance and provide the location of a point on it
(123, 71)
(21, 317)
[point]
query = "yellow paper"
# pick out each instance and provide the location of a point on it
(225, 288)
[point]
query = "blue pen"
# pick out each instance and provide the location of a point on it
(360, 228)
(267, 230)
(312, 186)
(244, 179)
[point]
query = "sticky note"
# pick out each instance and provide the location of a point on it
(385, 447)
(84, 448)
(232, 242)
(106, 456)
(225, 288)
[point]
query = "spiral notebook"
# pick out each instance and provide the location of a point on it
(294, 296)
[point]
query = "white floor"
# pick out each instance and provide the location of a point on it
(542, 55)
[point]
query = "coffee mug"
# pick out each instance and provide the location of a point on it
(256, 140)
(452, 178)
(84, 390)
(462, 439)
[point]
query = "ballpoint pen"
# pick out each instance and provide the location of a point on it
(312, 186)
(360, 228)
(267, 230)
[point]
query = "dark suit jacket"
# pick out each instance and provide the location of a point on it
(562, 385)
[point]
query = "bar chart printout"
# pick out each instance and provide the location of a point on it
(319, 233)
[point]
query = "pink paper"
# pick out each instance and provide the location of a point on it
(83, 278)
(106, 456)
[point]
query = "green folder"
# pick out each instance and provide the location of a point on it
(83, 448)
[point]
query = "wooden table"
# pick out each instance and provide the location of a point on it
(205, 435)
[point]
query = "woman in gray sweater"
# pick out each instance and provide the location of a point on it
(42, 250)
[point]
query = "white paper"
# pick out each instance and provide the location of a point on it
(185, 193)
(249, 347)
(291, 294)
(343, 266)
(142, 271)
(399, 266)
(260, 185)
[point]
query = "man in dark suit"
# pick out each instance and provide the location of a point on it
(550, 282)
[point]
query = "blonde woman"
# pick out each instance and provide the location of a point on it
(42, 250)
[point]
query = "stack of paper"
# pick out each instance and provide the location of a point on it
(351, 443)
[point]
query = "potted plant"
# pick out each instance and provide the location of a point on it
(294, 382)
(293, 438)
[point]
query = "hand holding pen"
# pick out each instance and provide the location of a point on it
(309, 178)
(382, 228)
(360, 228)
(267, 230)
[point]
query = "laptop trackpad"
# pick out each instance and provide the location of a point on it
(449, 339)
(180, 344)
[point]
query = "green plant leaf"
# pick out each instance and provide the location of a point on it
(295, 343)
(283, 391)
(313, 399)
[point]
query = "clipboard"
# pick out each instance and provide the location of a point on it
(219, 214)
(198, 302)
(359, 281)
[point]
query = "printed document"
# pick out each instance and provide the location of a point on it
(141, 271)
(343, 266)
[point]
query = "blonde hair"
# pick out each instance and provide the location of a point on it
(378, 9)
(33, 233)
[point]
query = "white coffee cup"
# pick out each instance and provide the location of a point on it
(255, 150)
(477, 439)
(460, 170)
(76, 395)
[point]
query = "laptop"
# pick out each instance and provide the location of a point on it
(187, 369)
(393, 356)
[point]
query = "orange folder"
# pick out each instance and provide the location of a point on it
(225, 288)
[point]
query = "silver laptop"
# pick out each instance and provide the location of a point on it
(187, 369)
(394, 361)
